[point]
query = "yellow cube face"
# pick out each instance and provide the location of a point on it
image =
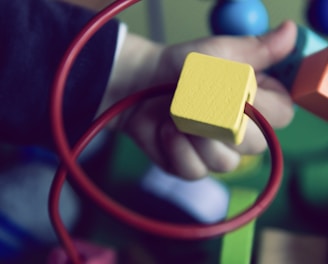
(210, 97)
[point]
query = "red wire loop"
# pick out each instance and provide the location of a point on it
(144, 223)
(69, 156)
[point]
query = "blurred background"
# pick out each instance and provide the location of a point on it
(184, 19)
(293, 229)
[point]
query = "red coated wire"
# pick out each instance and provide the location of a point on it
(144, 223)
(59, 85)
(69, 156)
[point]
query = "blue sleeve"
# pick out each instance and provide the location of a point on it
(34, 34)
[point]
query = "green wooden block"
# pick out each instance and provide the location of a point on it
(313, 184)
(237, 245)
(305, 134)
(128, 162)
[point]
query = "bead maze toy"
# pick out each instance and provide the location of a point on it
(196, 89)
(148, 225)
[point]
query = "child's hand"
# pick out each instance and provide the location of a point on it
(144, 64)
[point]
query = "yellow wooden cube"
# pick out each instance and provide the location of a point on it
(210, 97)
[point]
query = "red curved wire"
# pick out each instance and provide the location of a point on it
(144, 223)
(69, 157)
(59, 85)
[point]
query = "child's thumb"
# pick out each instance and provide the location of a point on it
(275, 45)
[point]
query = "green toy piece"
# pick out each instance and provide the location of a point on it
(237, 245)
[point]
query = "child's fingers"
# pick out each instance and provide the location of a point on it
(275, 106)
(272, 47)
(253, 143)
(260, 52)
(181, 157)
(215, 154)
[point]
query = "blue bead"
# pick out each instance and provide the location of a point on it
(317, 15)
(247, 17)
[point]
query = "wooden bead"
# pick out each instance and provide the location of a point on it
(210, 97)
(310, 89)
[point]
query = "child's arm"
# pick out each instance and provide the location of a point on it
(34, 36)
